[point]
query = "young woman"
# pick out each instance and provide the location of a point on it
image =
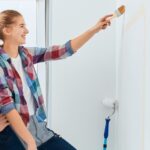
(22, 116)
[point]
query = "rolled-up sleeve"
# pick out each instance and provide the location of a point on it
(54, 52)
(6, 101)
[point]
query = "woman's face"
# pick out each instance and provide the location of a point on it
(17, 31)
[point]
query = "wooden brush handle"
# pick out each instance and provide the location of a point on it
(112, 17)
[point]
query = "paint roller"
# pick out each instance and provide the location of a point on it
(110, 103)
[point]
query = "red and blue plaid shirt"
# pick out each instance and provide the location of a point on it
(11, 90)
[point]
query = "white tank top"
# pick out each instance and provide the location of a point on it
(17, 63)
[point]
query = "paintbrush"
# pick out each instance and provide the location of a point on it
(118, 12)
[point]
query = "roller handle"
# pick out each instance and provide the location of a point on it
(106, 132)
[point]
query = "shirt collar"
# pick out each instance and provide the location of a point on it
(5, 55)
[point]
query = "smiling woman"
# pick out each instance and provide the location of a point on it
(12, 29)
(30, 16)
(20, 96)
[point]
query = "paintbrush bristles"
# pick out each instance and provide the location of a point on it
(121, 9)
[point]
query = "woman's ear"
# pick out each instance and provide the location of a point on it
(7, 31)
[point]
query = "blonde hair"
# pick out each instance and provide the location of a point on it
(7, 17)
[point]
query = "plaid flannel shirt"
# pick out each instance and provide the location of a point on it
(11, 90)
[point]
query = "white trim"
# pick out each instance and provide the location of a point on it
(40, 41)
(48, 39)
(44, 18)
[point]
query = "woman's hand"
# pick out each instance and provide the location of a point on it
(80, 40)
(3, 122)
(102, 24)
(31, 145)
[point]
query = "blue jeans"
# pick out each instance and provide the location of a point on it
(9, 141)
(56, 143)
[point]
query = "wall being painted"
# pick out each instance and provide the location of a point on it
(80, 82)
(133, 76)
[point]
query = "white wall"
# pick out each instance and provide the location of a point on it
(133, 76)
(147, 79)
(80, 82)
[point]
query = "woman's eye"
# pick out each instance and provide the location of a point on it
(22, 26)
